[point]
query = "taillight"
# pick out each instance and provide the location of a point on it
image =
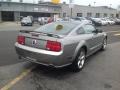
(53, 46)
(21, 40)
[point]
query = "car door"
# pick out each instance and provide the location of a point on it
(85, 33)
(98, 37)
(93, 39)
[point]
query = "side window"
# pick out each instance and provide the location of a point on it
(80, 31)
(89, 29)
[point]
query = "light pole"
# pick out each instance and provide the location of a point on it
(71, 7)
(94, 3)
(110, 5)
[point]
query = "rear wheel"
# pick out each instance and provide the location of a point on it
(79, 62)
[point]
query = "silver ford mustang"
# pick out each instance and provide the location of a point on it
(59, 44)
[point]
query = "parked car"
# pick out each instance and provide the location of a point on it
(31, 17)
(104, 21)
(82, 19)
(96, 21)
(110, 21)
(26, 21)
(43, 20)
(117, 21)
(60, 44)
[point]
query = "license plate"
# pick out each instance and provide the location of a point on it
(34, 43)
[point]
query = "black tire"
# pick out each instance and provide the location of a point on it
(79, 62)
(104, 44)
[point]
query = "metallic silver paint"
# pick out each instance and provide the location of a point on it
(31, 49)
(71, 44)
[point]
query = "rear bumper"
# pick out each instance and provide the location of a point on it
(44, 57)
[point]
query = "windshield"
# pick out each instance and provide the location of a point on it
(62, 28)
(26, 19)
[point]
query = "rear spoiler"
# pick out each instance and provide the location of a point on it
(41, 33)
(26, 31)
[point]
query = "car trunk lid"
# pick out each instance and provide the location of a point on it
(39, 39)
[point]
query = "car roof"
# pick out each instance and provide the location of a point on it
(74, 22)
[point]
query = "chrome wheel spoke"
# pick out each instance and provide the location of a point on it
(81, 60)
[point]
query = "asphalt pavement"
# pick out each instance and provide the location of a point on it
(101, 72)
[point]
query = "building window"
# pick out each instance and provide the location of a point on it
(112, 15)
(97, 15)
(64, 15)
(105, 15)
(117, 15)
(89, 14)
(79, 14)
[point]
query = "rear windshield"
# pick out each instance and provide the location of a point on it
(60, 28)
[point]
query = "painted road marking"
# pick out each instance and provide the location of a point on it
(17, 79)
(112, 31)
(118, 34)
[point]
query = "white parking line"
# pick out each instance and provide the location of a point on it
(112, 31)
(118, 34)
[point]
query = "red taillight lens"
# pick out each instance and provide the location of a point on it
(21, 40)
(53, 46)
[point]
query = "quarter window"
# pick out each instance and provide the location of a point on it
(89, 29)
(80, 31)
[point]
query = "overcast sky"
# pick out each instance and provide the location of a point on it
(114, 3)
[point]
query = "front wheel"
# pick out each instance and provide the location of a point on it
(79, 62)
(104, 45)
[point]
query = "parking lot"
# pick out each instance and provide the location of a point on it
(101, 72)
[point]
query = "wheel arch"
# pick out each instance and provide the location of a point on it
(78, 48)
(85, 48)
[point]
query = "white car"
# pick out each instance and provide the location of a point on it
(26, 21)
(43, 20)
(82, 19)
(110, 21)
(58, 19)
(104, 21)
